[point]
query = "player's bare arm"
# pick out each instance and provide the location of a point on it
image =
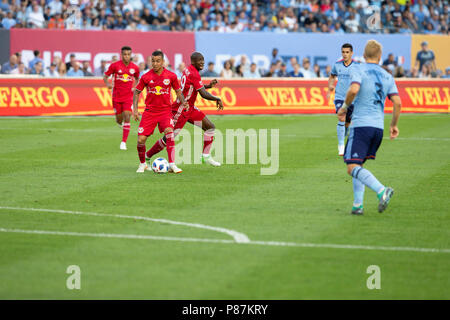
(331, 85)
(208, 96)
(136, 95)
(180, 98)
(212, 84)
(351, 94)
(394, 131)
(106, 81)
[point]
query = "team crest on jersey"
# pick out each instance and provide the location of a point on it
(120, 71)
(132, 71)
(166, 82)
(140, 130)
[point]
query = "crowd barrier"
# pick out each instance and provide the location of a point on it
(54, 97)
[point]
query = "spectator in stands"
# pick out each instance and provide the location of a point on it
(296, 72)
(100, 71)
(253, 73)
(272, 73)
(21, 69)
(306, 69)
(390, 64)
(292, 62)
(317, 73)
(243, 66)
(425, 72)
(87, 69)
(210, 71)
(425, 56)
(179, 70)
(399, 72)
(62, 70)
(35, 60)
(56, 22)
(36, 18)
(51, 71)
(9, 66)
(75, 71)
(141, 66)
(227, 72)
(447, 73)
(8, 21)
(275, 56)
(327, 71)
(71, 61)
(37, 69)
(283, 70)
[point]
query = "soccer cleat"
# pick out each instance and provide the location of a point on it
(123, 146)
(174, 169)
(142, 167)
(341, 149)
(149, 163)
(357, 210)
(384, 197)
(208, 159)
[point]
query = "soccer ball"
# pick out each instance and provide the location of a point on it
(160, 165)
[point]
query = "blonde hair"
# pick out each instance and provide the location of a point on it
(373, 49)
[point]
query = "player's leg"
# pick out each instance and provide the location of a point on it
(198, 118)
(161, 143)
(348, 119)
(340, 128)
(117, 106)
(126, 115)
(166, 125)
(361, 145)
(146, 128)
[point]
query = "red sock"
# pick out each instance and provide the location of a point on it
(157, 147)
(208, 138)
(170, 142)
(141, 152)
(126, 131)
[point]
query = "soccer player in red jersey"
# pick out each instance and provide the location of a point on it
(191, 84)
(158, 82)
(125, 77)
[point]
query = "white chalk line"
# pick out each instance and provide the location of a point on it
(237, 236)
(205, 240)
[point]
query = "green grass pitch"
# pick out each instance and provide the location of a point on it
(75, 164)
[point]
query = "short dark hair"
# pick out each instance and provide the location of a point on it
(210, 63)
(125, 48)
(36, 53)
(347, 45)
(158, 53)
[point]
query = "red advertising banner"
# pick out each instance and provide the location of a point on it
(94, 46)
(31, 96)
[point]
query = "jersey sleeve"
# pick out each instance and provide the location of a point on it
(110, 70)
(136, 73)
(175, 83)
(196, 81)
(141, 84)
(333, 70)
(392, 91)
(355, 76)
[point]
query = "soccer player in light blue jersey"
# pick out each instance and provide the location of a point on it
(341, 70)
(370, 84)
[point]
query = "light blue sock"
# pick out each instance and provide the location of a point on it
(366, 177)
(358, 192)
(341, 132)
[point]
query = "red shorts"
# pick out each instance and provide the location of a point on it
(151, 118)
(181, 116)
(122, 106)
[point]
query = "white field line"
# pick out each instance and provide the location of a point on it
(261, 243)
(183, 239)
(237, 236)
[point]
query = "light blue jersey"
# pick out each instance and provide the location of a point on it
(343, 74)
(376, 84)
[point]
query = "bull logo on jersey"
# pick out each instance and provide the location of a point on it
(132, 71)
(124, 77)
(166, 82)
(140, 130)
(159, 90)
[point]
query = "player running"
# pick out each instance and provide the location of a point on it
(191, 84)
(125, 77)
(158, 82)
(370, 84)
(341, 70)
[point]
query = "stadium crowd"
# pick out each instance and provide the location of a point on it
(338, 16)
(424, 67)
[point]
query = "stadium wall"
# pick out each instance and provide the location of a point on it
(32, 96)
(440, 44)
(5, 51)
